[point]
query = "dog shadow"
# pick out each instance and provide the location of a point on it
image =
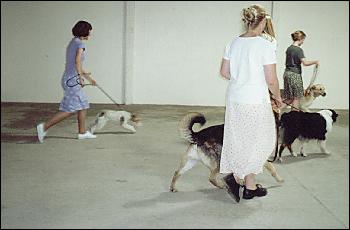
(310, 156)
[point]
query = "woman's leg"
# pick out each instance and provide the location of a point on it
(81, 121)
(251, 188)
(249, 181)
(55, 119)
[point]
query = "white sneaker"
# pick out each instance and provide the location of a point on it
(86, 135)
(41, 133)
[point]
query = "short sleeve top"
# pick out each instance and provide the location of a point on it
(294, 54)
(247, 56)
(71, 53)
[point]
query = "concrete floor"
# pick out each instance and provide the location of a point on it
(121, 180)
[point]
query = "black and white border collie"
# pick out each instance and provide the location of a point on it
(305, 126)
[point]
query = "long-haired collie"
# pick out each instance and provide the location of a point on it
(305, 126)
(205, 146)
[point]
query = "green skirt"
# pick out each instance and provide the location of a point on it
(293, 85)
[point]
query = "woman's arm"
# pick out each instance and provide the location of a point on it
(272, 82)
(225, 69)
(81, 72)
(89, 78)
(308, 63)
(78, 65)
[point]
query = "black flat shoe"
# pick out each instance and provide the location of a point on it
(259, 191)
(232, 187)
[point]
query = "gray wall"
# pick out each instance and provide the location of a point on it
(160, 52)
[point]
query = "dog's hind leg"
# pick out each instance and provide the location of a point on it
(213, 178)
(271, 168)
(291, 151)
(188, 160)
(100, 122)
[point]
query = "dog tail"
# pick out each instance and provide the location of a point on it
(186, 124)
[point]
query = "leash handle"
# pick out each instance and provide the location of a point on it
(77, 82)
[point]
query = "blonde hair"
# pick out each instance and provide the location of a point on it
(298, 35)
(254, 14)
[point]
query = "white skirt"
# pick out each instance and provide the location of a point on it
(249, 138)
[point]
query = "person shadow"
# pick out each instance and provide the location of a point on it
(213, 194)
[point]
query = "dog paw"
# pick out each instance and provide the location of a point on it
(279, 179)
(280, 159)
(294, 155)
(303, 154)
(326, 152)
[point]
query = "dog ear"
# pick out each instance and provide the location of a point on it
(313, 87)
(135, 117)
(307, 92)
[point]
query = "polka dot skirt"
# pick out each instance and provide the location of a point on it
(74, 98)
(249, 138)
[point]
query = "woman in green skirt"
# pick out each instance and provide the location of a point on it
(293, 82)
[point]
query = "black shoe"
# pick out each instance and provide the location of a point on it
(259, 191)
(232, 187)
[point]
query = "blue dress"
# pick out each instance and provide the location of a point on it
(74, 98)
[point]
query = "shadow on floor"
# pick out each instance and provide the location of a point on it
(214, 194)
(310, 156)
(26, 139)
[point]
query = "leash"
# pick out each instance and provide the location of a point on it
(314, 74)
(77, 82)
(312, 80)
(100, 88)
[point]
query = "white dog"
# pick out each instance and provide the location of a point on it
(310, 95)
(126, 119)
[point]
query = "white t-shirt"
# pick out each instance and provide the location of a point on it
(247, 56)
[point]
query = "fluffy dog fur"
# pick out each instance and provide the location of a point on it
(310, 95)
(205, 146)
(126, 119)
(305, 127)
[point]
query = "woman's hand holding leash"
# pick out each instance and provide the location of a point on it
(276, 103)
(89, 78)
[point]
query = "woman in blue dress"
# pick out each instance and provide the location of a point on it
(74, 99)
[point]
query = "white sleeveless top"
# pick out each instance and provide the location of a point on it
(247, 56)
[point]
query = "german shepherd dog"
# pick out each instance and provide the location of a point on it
(205, 146)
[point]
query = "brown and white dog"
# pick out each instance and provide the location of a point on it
(205, 146)
(310, 95)
(126, 119)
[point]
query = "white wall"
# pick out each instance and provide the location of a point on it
(178, 49)
(173, 49)
(34, 37)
